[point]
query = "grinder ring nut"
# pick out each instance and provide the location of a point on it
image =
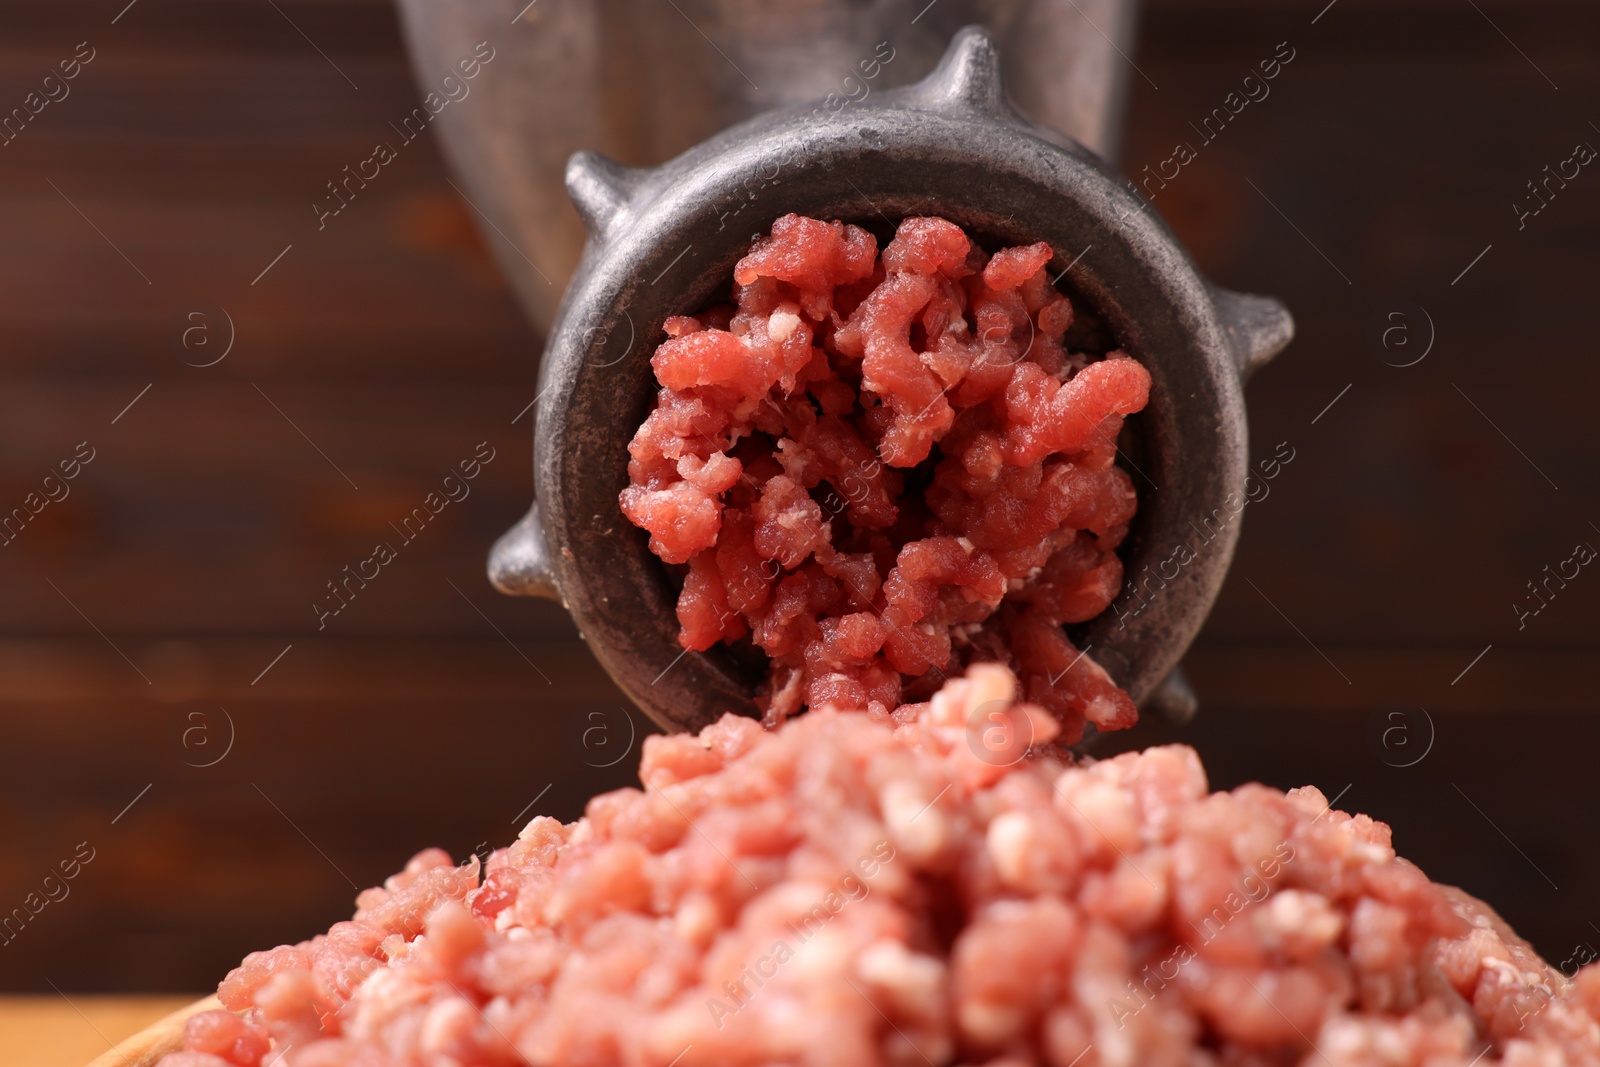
(661, 243)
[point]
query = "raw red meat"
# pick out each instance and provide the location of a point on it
(880, 468)
(857, 891)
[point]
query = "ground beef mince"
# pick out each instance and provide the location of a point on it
(877, 468)
(850, 891)
(880, 467)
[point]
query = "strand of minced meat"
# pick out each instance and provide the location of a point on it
(852, 891)
(880, 468)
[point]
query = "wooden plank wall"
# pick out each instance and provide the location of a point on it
(137, 614)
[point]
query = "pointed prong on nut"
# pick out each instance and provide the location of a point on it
(1258, 327)
(519, 563)
(1173, 700)
(600, 189)
(968, 77)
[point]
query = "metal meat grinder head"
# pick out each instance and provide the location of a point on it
(664, 241)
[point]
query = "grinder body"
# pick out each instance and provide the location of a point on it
(663, 241)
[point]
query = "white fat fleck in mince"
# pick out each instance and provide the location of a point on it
(781, 324)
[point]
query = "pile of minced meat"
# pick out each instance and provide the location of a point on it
(889, 474)
(852, 890)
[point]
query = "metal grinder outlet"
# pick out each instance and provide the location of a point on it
(664, 241)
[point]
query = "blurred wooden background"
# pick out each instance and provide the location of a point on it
(138, 614)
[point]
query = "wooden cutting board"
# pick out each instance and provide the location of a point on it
(55, 1031)
(147, 1046)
